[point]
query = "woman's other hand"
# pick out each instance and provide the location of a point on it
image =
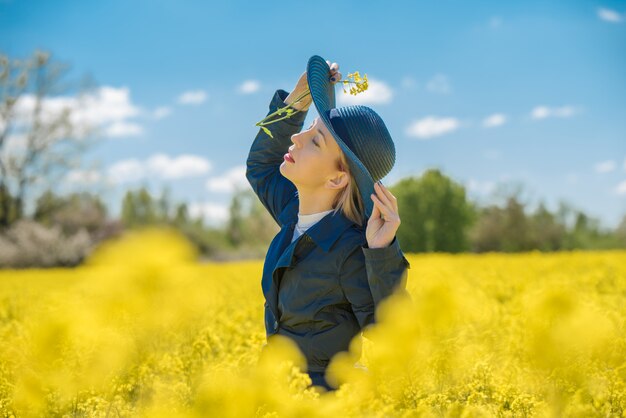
(302, 86)
(384, 221)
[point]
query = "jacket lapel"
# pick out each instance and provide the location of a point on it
(293, 252)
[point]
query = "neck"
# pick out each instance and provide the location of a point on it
(315, 201)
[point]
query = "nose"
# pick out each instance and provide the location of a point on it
(295, 138)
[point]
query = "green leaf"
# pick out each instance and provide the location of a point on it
(267, 131)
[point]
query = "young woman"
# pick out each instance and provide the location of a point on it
(336, 256)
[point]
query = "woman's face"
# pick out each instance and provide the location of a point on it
(315, 154)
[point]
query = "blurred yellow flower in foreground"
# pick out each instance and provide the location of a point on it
(142, 329)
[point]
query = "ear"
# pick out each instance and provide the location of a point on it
(339, 181)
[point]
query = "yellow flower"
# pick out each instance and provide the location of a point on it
(360, 83)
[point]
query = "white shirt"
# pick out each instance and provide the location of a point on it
(307, 221)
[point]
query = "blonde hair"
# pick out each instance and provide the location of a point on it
(348, 200)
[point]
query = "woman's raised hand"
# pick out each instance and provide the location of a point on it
(302, 86)
(334, 72)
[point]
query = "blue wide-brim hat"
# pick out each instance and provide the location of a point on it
(358, 130)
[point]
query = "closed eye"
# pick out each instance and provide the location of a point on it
(316, 144)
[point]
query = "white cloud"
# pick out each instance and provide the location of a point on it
(159, 166)
(432, 126)
(110, 105)
(193, 97)
(161, 112)
(107, 108)
(542, 112)
(185, 165)
(439, 84)
(378, 92)
(494, 120)
(621, 188)
(126, 171)
(480, 187)
(605, 166)
(249, 86)
(123, 129)
(83, 176)
(609, 15)
(235, 178)
(212, 213)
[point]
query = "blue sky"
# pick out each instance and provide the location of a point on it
(489, 92)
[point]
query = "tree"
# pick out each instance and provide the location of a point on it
(39, 140)
(249, 224)
(140, 209)
(71, 213)
(181, 215)
(435, 213)
(164, 204)
(515, 233)
(502, 228)
(546, 234)
(7, 207)
(235, 227)
(486, 234)
(620, 233)
(503, 225)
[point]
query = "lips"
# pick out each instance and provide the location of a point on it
(289, 158)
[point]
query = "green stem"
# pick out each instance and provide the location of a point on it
(263, 123)
(282, 110)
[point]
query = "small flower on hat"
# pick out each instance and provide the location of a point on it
(360, 85)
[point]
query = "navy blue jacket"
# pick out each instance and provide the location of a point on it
(322, 289)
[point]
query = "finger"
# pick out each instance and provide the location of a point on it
(390, 196)
(337, 76)
(383, 208)
(390, 213)
(378, 212)
(334, 67)
(375, 212)
(382, 196)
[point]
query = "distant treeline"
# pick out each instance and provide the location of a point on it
(436, 215)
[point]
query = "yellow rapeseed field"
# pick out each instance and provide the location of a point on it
(143, 330)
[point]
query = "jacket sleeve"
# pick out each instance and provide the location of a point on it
(369, 275)
(266, 156)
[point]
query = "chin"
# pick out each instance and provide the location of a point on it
(288, 176)
(282, 169)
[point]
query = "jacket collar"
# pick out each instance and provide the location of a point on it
(325, 232)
